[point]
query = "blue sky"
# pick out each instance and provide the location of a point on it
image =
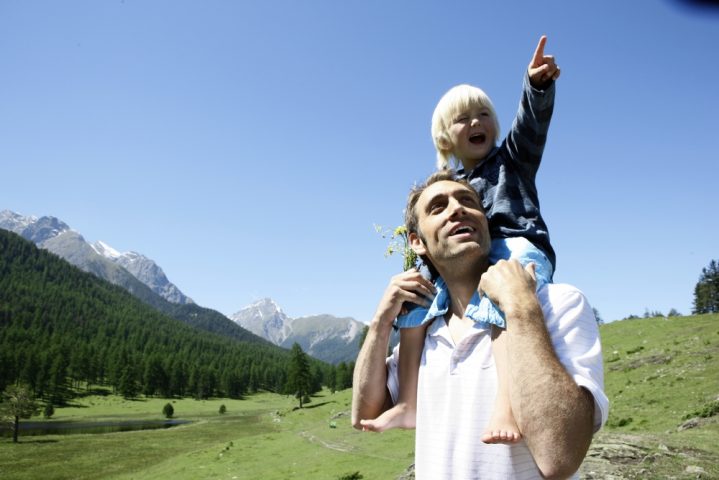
(250, 147)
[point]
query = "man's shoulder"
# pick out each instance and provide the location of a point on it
(558, 290)
(564, 305)
(556, 297)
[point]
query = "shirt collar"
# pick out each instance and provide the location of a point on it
(440, 307)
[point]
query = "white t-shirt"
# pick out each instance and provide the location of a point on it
(457, 388)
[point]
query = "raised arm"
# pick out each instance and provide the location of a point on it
(554, 414)
(370, 396)
(528, 135)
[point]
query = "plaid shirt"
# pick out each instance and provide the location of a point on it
(506, 178)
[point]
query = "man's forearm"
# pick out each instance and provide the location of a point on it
(554, 414)
(369, 384)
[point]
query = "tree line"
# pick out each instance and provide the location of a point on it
(62, 329)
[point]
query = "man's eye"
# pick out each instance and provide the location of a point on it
(470, 201)
(435, 207)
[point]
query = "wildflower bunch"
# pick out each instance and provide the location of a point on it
(399, 243)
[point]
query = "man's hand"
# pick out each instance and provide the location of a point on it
(370, 396)
(542, 69)
(509, 285)
(409, 286)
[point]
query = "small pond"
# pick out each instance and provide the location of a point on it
(65, 428)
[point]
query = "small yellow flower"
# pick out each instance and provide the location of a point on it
(399, 242)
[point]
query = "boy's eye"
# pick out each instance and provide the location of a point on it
(461, 118)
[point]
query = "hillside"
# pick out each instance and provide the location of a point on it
(62, 327)
(134, 272)
(662, 379)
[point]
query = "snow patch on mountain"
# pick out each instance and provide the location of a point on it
(55, 235)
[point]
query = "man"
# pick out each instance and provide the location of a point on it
(554, 353)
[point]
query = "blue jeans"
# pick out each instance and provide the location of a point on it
(482, 310)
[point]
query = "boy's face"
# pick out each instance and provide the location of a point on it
(473, 134)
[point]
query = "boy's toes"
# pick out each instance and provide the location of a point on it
(501, 436)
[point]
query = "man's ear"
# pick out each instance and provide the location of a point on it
(417, 244)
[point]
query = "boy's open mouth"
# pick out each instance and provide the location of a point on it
(477, 138)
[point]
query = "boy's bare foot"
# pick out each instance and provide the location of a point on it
(399, 416)
(502, 429)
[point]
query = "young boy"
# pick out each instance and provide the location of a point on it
(465, 129)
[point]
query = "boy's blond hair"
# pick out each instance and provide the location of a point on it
(458, 99)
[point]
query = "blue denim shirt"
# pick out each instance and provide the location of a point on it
(476, 310)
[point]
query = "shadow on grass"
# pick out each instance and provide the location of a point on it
(31, 442)
(99, 391)
(315, 405)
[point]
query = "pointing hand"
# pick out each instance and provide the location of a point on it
(542, 69)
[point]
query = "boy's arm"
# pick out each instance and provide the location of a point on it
(528, 135)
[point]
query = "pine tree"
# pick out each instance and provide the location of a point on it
(298, 374)
(706, 291)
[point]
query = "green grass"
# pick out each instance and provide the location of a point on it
(659, 372)
(260, 437)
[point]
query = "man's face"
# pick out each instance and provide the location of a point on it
(451, 222)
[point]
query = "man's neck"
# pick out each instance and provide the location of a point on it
(462, 282)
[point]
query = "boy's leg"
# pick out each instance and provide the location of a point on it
(403, 413)
(502, 427)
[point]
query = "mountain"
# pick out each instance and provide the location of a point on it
(266, 319)
(124, 269)
(145, 270)
(104, 262)
(328, 338)
(60, 325)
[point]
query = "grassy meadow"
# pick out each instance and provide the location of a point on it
(262, 436)
(660, 374)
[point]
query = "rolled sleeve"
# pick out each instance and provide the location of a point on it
(575, 338)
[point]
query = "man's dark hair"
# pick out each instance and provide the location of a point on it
(411, 218)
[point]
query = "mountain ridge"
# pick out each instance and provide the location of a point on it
(56, 236)
(326, 337)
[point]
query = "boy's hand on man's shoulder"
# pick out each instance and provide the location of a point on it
(542, 69)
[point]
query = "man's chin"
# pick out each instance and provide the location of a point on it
(467, 252)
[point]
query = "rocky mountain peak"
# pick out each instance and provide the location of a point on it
(98, 258)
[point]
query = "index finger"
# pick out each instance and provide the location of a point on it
(539, 52)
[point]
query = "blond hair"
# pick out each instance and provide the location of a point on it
(458, 99)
